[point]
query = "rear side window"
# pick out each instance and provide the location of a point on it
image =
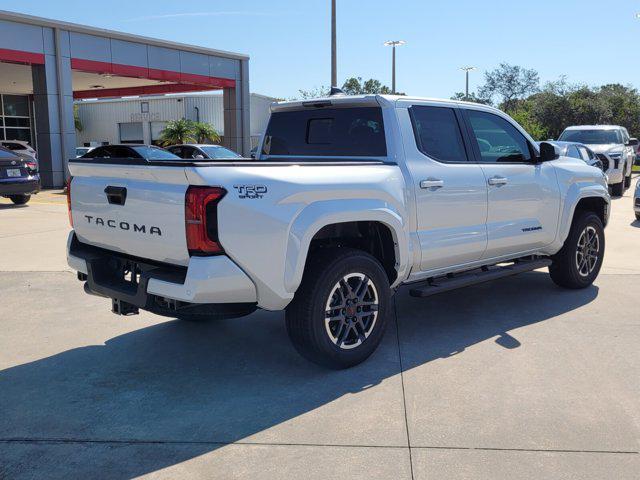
(333, 132)
(438, 133)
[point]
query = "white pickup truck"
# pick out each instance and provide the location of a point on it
(348, 199)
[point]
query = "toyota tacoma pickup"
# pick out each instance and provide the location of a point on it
(348, 198)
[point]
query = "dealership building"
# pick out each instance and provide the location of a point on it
(142, 119)
(45, 65)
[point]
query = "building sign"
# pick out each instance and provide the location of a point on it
(145, 117)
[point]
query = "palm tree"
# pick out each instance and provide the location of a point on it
(206, 133)
(178, 131)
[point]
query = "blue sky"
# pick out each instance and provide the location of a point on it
(589, 41)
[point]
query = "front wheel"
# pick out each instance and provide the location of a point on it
(19, 199)
(579, 261)
(339, 313)
(617, 189)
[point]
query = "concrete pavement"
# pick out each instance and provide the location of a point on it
(512, 379)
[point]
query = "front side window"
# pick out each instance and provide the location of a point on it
(572, 151)
(498, 140)
(329, 132)
(437, 133)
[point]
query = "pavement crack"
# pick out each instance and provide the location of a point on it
(404, 396)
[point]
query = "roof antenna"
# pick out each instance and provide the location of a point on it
(336, 92)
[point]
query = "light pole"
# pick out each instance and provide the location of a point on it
(393, 44)
(334, 67)
(466, 71)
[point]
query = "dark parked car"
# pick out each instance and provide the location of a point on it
(19, 177)
(581, 151)
(148, 152)
(203, 152)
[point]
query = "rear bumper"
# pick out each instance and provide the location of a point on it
(20, 187)
(163, 288)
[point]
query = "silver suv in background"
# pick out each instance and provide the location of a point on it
(614, 147)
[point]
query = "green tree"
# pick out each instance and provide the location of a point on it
(178, 131)
(315, 92)
(473, 97)
(524, 116)
(76, 117)
(355, 86)
(205, 133)
(509, 83)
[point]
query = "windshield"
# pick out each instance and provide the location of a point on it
(591, 137)
(219, 152)
(155, 153)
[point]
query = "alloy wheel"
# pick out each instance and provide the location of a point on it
(351, 310)
(588, 251)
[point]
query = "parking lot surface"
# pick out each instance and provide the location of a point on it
(511, 379)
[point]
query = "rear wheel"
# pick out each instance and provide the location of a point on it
(19, 199)
(339, 313)
(579, 261)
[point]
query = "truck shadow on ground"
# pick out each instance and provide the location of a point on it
(185, 389)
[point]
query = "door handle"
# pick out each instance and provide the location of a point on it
(116, 195)
(431, 183)
(498, 180)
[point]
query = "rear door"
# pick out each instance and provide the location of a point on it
(524, 196)
(450, 188)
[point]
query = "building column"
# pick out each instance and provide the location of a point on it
(237, 131)
(53, 105)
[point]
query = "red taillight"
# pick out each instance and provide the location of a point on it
(69, 201)
(201, 220)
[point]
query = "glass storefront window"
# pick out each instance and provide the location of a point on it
(15, 105)
(23, 134)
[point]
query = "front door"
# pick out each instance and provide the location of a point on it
(451, 190)
(524, 196)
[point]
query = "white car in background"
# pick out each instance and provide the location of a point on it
(80, 151)
(636, 200)
(19, 146)
(614, 147)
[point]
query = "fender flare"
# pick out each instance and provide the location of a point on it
(574, 195)
(320, 214)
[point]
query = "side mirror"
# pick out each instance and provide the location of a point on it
(633, 142)
(199, 157)
(548, 152)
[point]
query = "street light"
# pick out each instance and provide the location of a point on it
(394, 44)
(334, 67)
(466, 71)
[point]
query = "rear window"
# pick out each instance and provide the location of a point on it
(155, 153)
(332, 132)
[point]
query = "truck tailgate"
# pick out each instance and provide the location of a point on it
(133, 209)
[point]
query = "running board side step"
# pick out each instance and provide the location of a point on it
(480, 275)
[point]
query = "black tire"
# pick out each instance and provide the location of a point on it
(617, 189)
(20, 199)
(638, 217)
(568, 269)
(627, 181)
(347, 340)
